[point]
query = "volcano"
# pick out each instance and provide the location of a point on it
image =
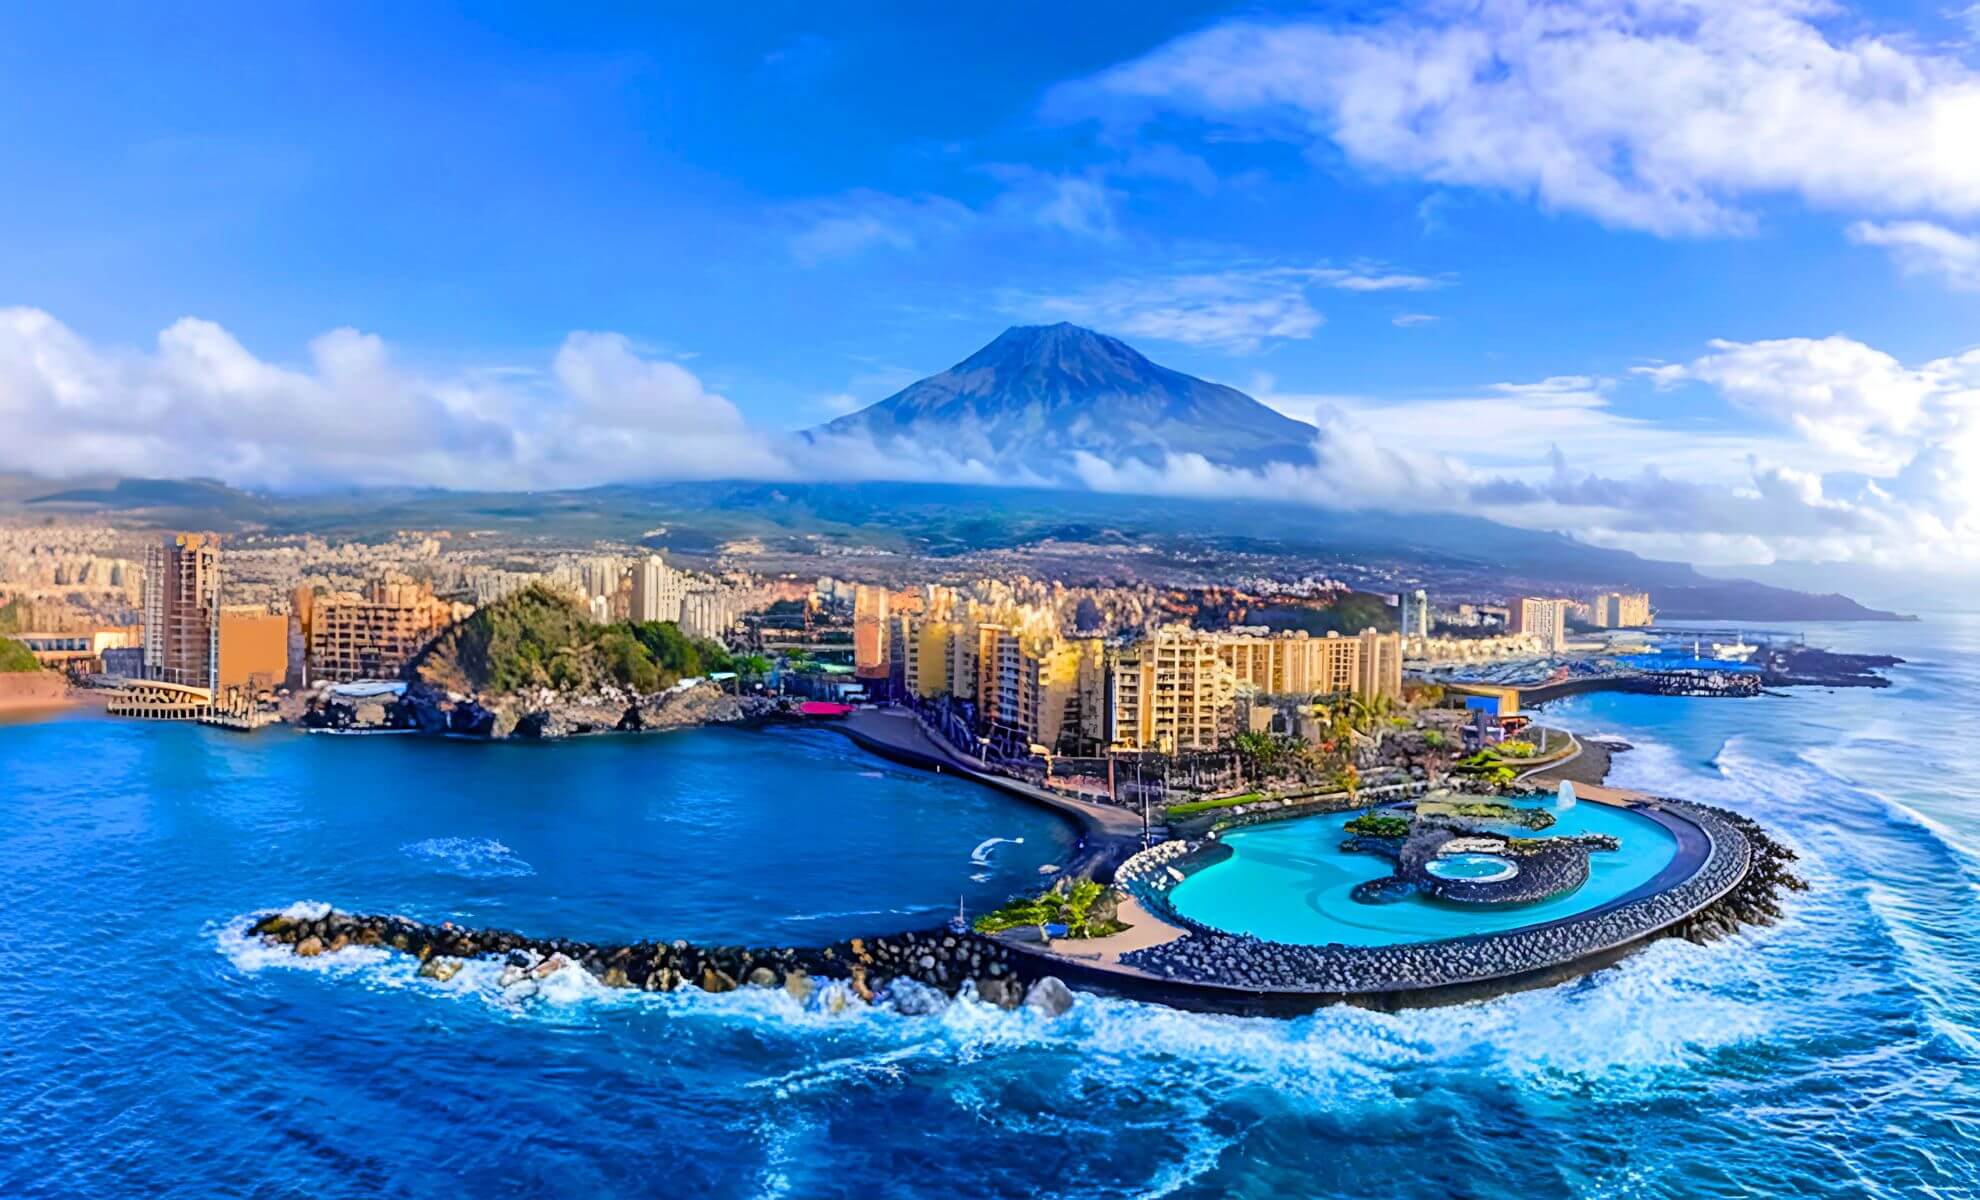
(1040, 395)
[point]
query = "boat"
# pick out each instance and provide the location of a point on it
(1738, 651)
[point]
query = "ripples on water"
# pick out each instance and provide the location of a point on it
(147, 1049)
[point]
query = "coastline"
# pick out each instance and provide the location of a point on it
(1161, 960)
(25, 692)
(1107, 835)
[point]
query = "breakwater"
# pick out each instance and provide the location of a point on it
(901, 968)
(1735, 880)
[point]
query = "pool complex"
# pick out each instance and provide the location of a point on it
(1290, 881)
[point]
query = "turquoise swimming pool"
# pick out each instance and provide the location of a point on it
(1479, 868)
(1289, 881)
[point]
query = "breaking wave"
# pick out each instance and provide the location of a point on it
(476, 858)
(1672, 1004)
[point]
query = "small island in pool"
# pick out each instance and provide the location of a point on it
(1464, 854)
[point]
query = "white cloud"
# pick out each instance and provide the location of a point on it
(1670, 116)
(200, 403)
(1850, 401)
(1408, 320)
(1372, 280)
(1851, 457)
(861, 220)
(601, 411)
(1237, 309)
(1922, 248)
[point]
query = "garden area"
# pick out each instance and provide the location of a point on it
(1069, 908)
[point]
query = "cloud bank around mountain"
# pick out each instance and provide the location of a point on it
(1849, 455)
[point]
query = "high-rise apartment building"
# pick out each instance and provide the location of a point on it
(1177, 689)
(1379, 669)
(926, 671)
(1172, 691)
(1029, 683)
(1622, 610)
(1414, 614)
(373, 635)
(182, 611)
(1542, 618)
(658, 590)
(1293, 663)
(710, 610)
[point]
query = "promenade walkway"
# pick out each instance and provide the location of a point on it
(1109, 833)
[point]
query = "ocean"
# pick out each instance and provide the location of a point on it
(148, 1049)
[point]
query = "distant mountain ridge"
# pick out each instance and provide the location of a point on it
(943, 520)
(1040, 394)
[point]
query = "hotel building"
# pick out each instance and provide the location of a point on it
(254, 649)
(182, 611)
(1178, 689)
(1029, 684)
(1173, 691)
(374, 634)
(1622, 610)
(1544, 619)
(658, 590)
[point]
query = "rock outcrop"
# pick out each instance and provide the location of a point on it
(913, 972)
(544, 712)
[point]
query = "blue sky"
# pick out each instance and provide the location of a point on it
(1659, 210)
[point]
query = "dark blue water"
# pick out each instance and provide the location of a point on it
(145, 1051)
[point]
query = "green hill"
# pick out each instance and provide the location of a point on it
(542, 638)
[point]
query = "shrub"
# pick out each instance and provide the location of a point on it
(1071, 906)
(1379, 825)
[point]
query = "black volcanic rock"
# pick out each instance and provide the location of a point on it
(1040, 394)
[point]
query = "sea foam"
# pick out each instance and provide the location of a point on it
(476, 858)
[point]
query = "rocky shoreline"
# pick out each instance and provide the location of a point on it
(540, 714)
(1808, 666)
(911, 972)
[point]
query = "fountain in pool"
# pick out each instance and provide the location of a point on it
(1564, 799)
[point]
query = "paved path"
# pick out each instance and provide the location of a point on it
(1144, 929)
(1556, 763)
(1110, 832)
